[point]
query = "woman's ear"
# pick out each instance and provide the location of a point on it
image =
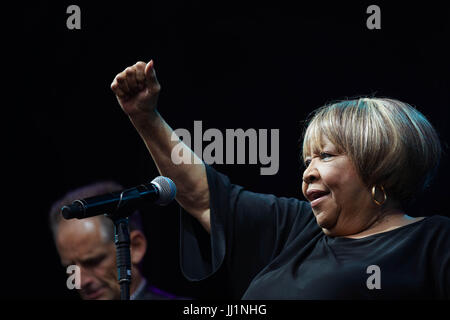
(138, 246)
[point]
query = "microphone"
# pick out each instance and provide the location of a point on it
(160, 191)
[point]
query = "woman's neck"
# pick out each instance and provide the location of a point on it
(388, 221)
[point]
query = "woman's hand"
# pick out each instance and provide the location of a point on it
(137, 89)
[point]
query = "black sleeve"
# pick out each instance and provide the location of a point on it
(443, 274)
(248, 230)
(439, 235)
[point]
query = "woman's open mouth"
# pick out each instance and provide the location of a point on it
(316, 197)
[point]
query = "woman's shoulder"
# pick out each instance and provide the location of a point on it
(436, 230)
(437, 221)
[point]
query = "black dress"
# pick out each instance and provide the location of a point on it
(272, 248)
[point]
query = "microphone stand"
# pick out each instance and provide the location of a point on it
(123, 257)
(119, 216)
(122, 242)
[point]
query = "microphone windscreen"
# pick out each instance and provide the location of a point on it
(166, 188)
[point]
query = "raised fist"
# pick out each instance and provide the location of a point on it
(137, 88)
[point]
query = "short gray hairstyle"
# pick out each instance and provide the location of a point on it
(390, 142)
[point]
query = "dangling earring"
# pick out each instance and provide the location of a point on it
(373, 195)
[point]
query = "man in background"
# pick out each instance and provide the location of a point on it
(89, 244)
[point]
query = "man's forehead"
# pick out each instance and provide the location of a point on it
(80, 237)
(88, 226)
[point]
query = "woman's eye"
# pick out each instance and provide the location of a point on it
(325, 156)
(322, 155)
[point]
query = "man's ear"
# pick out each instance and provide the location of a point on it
(138, 246)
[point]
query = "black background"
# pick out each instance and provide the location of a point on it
(230, 65)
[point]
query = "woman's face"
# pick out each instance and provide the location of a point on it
(340, 201)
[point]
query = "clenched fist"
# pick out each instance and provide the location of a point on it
(137, 88)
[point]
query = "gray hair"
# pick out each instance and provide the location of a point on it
(390, 142)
